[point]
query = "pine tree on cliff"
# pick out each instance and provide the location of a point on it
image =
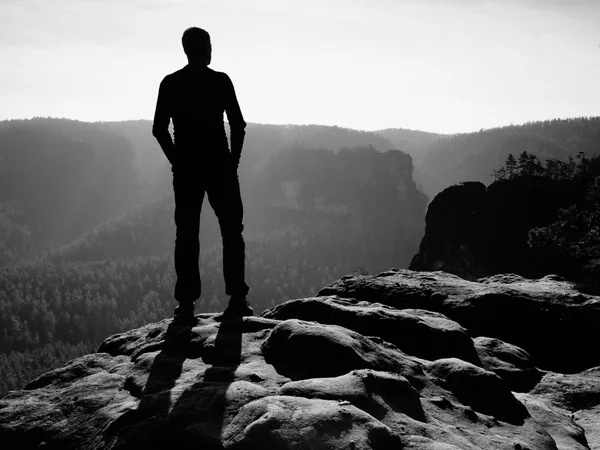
(584, 166)
(572, 167)
(529, 164)
(511, 165)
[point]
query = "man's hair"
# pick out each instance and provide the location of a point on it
(195, 41)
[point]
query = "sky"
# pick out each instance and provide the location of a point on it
(445, 66)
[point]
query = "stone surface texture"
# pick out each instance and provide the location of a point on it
(401, 360)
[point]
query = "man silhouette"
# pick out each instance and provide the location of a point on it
(195, 98)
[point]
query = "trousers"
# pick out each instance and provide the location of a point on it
(220, 182)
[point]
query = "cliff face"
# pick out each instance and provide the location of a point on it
(363, 194)
(373, 362)
(472, 231)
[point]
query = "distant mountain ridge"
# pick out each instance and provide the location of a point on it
(365, 195)
(63, 177)
(86, 173)
(412, 142)
(440, 160)
(474, 156)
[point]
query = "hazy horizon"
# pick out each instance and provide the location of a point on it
(306, 124)
(445, 67)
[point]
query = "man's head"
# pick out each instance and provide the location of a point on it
(196, 45)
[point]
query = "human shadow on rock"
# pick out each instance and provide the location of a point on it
(195, 419)
(143, 424)
(200, 412)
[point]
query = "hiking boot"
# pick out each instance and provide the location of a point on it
(185, 312)
(238, 307)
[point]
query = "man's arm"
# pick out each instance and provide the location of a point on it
(162, 118)
(236, 121)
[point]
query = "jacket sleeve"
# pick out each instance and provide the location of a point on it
(235, 119)
(162, 119)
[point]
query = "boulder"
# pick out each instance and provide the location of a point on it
(374, 392)
(548, 317)
(284, 422)
(572, 392)
(301, 349)
(509, 362)
(452, 232)
(473, 231)
(417, 332)
(578, 394)
(476, 387)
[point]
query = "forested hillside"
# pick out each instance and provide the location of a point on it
(63, 177)
(413, 142)
(60, 178)
(368, 193)
(474, 156)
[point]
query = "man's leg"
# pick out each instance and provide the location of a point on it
(189, 195)
(224, 196)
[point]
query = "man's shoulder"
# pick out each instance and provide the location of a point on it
(184, 76)
(184, 72)
(173, 76)
(217, 74)
(221, 76)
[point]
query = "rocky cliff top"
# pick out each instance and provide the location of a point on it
(474, 231)
(415, 360)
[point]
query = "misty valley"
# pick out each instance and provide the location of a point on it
(87, 231)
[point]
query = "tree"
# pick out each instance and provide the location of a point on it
(511, 165)
(529, 164)
(499, 174)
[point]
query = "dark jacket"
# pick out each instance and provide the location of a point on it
(196, 98)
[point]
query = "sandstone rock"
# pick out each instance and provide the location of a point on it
(452, 232)
(483, 390)
(588, 419)
(509, 362)
(372, 391)
(473, 231)
(66, 407)
(282, 422)
(557, 424)
(548, 317)
(300, 349)
(576, 393)
(417, 332)
(261, 382)
(572, 392)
